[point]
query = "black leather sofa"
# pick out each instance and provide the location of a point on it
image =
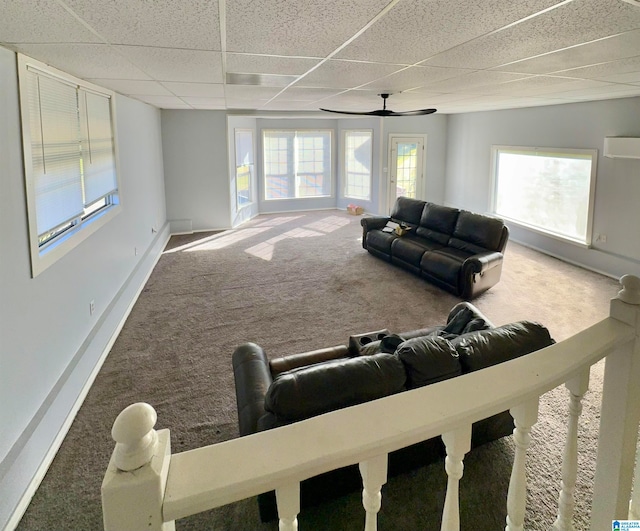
(456, 250)
(280, 391)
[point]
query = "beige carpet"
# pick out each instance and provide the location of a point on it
(299, 282)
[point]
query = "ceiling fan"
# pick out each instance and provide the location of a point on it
(384, 111)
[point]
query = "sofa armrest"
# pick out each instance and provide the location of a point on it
(286, 363)
(479, 263)
(252, 379)
(479, 273)
(372, 223)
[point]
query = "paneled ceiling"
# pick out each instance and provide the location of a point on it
(299, 55)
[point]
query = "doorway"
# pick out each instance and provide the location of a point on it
(406, 167)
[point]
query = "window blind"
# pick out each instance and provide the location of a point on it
(97, 148)
(55, 149)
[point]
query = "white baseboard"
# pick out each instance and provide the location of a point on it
(61, 401)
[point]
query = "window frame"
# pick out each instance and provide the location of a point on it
(295, 131)
(69, 235)
(532, 150)
(345, 162)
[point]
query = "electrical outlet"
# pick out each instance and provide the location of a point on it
(92, 307)
(135, 251)
(603, 238)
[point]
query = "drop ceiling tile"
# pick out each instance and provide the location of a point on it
(414, 77)
(621, 71)
(40, 22)
(249, 92)
(346, 74)
(268, 64)
(479, 81)
(415, 30)
(210, 103)
(620, 46)
(86, 61)
(130, 87)
(569, 25)
(296, 93)
(601, 93)
(165, 64)
(164, 102)
(195, 90)
(166, 23)
(538, 85)
(313, 28)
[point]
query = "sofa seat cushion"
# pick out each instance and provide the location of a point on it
(444, 264)
(485, 348)
(410, 248)
(302, 393)
(380, 241)
(428, 360)
(479, 230)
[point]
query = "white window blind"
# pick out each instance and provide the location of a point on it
(55, 148)
(98, 161)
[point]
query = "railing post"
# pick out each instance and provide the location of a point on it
(288, 501)
(577, 387)
(619, 416)
(458, 443)
(374, 475)
(524, 416)
(134, 484)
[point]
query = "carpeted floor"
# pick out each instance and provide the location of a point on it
(299, 282)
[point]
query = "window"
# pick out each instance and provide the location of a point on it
(297, 164)
(357, 162)
(244, 166)
(546, 189)
(69, 159)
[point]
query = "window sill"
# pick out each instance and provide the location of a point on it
(543, 232)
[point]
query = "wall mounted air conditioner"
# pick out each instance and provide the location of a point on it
(622, 147)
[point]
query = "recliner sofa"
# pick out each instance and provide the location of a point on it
(457, 250)
(275, 392)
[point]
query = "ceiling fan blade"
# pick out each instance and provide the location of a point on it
(366, 113)
(419, 112)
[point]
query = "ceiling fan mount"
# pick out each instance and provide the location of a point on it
(384, 111)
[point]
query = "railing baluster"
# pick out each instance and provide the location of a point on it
(524, 415)
(458, 443)
(288, 500)
(577, 387)
(374, 475)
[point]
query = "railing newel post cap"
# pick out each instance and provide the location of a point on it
(630, 292)
(134, 435)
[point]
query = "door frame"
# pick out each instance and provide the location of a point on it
(389, 198)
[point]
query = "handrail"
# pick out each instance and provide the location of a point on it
(213, 476)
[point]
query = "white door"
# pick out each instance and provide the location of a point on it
(406, 167)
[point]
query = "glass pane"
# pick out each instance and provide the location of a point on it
(547, 191)
(358, 155)
(244, 166)
(406, 169)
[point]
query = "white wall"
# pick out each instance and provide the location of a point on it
(49, 344)
(196, 169)
(578, 125)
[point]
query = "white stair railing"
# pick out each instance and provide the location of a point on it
(145, 487)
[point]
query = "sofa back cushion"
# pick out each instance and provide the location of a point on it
(437, 222)
(485, 348)
(302, 393)
(428, 360)
(408, 210)
(481, 231)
